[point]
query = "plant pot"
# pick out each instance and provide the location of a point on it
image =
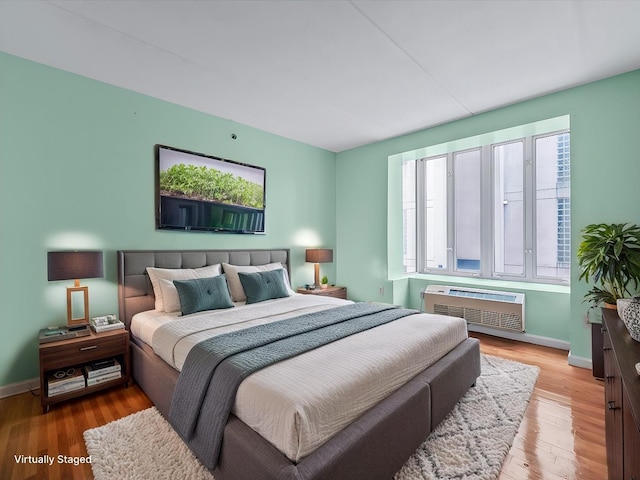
(324, 286)
(622, 303)
(630, 315)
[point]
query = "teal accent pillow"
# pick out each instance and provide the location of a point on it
(200, 294)
(261, 286)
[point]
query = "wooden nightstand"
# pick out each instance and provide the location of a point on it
(337, 292)
(78, 352)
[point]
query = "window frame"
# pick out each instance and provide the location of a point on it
(490, 241)
(487, 220)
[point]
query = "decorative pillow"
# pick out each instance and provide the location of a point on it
(261, 286)
(202, 294)
(235, 287)
(155, 274)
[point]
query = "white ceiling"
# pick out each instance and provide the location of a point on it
(334, 74)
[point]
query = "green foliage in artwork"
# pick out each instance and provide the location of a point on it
(202, 183)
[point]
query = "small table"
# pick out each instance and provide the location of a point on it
(80, 351)
(336, 292)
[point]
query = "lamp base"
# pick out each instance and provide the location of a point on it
(77, 300)
(316, 278)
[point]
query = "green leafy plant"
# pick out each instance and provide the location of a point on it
(202, 183)
(324, 280)
(610, 255)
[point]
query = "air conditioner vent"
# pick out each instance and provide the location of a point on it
(490, 319)
(473, 315)
(490, 308)
(512, 322)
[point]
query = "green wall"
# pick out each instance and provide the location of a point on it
(605, 121)
(77, 166)
(77, 172)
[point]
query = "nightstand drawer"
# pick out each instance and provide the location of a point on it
(84, 351)
(337, 292)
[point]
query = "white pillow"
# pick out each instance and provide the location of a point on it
(171, 274)
(233, 280)
(170, 296)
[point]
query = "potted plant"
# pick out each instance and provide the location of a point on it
(324, 282)
(610, 254)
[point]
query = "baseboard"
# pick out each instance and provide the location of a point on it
(20, 387)
(521, 337)
(581, 362)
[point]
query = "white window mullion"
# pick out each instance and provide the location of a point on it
(529, 209)
(421, 215)
(486, 214)
(410, 220)
(451, 231)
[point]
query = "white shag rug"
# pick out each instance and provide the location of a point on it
(471, 443)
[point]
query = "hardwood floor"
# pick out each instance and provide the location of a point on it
(25, 430)
(561, 436)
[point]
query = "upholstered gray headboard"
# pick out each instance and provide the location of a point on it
(135, 293)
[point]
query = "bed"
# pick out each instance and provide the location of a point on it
(374, 444)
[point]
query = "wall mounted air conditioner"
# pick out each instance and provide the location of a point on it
(489, 308)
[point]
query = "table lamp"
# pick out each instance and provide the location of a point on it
(74, 266)
(318, 256)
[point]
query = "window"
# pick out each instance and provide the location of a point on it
(508, 208)
(496, 210)
(466, 213)
(434, 244)
(409, 216)
(553, 224)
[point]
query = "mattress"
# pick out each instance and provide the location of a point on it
(300, 403)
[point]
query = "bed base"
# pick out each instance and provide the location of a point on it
(373, 447)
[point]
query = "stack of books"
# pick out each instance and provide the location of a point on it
(65, 381)
(102, 371)
(105, 323)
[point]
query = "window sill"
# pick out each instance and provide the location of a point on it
(490, 283)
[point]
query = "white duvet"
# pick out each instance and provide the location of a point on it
(300, 403)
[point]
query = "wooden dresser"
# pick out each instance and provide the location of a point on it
(622, 398)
